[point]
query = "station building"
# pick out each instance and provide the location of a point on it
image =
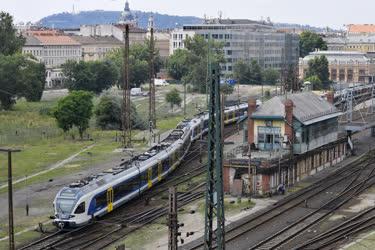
(290, 138)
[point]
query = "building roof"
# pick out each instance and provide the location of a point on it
(51, 38)
(361, 28)
(89, 40)
(335, 57)
(308, 108)
(132, 28)
(32, 41)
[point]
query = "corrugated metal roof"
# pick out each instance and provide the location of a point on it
(308, 108)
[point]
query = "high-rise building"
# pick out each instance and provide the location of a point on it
(244, 40)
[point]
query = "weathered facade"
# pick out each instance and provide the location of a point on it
(289, 139)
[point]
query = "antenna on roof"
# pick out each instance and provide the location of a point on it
(220, 13)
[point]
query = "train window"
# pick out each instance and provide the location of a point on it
(80, 209)
(165, 164)
(144, 177)
(154, 171)
(101, 200)
(126, 188)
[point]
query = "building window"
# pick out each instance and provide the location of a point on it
(229, 52)
(269, 138)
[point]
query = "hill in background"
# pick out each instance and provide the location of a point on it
(68, 20)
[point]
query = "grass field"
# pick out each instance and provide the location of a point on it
(29, 128)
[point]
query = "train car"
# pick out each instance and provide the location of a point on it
(99, 194)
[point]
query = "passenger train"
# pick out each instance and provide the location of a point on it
(99, 194)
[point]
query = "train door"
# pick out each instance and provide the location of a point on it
(109, 199)
(149, 177)
(160, 170)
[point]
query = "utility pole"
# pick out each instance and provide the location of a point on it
(126, 121)
(208, 76)
(214, 187)
(184, 98)
(10, 196)
(152, 111)
(172, 220)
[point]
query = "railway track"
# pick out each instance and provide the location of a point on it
(116, 225)
(322, 198)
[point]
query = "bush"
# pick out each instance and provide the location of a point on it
(109, 114)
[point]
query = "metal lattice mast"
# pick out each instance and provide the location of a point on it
(152, 111)
(126, 114)
(214, 186)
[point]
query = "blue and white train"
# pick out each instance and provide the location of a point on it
(99, 194)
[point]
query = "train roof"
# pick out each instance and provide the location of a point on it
(129, 167)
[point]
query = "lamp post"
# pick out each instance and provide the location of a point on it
(10, 196)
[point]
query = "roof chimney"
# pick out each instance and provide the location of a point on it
(250, 129)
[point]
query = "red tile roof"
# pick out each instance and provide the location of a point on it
(361, 28)
(49, 39)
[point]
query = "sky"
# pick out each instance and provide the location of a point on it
(322, 13)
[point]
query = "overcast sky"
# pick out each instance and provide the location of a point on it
(333, 13)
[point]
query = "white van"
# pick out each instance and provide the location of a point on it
(161, 82)
(136, 91)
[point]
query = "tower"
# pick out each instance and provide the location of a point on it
(127, 16)
(151, 23)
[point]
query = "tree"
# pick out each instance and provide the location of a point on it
(318, 66)
(226, 89)
(108, 113)
(10, 42)
(33, 80)
(90, 76)
(256, 73)
(315, 82)
(271, 76)
(197, 54)
(248, 73)
(20, 76)
(173, 98)
(139, 56)
(309, 41)
(74, 110)
(177, 64)
(241, 72)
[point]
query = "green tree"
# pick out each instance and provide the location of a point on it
(90, 76)
(33, 80)
(177, 64)
(309, 41)
(226, 89)
(74, 110)
(10, 42)
(248, 73)
(20, 76)
(318, 66)
(315, 81)
(271, 76)
(198, 49)
(173, 98)
(108, 113)
(139, 70)
(241, 72)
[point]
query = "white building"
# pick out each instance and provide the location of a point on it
(53, 49)
(244, 40)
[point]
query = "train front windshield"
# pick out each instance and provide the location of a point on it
(65, 206)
